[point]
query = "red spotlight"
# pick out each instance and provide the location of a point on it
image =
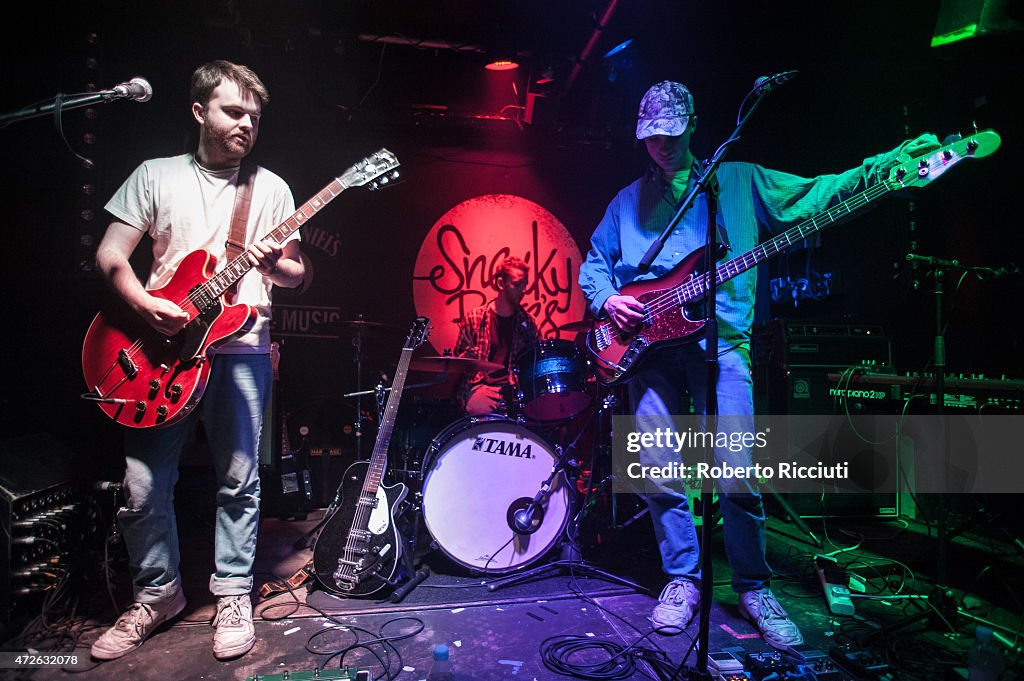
(502, 65)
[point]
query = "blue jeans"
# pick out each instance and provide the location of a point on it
(232, 412)
(657, 392)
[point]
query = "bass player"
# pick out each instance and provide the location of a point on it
(751, 198)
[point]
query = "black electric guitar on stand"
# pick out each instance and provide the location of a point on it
(359, 547)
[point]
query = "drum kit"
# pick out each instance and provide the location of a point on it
(496, 492)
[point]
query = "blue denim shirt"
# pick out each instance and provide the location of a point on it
(751, 198)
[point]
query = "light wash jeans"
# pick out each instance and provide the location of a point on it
(232, 412)
(656, 392)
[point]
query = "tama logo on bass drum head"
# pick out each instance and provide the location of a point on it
(518, 449)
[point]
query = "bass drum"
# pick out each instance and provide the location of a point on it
(480, 472)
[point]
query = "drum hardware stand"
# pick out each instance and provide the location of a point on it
(380, 391)
(943, 607)
(357, 343)
(306, 540)
(525, 520)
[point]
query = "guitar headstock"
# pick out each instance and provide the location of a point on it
(925, 169)
(418, 334)
(376, 170)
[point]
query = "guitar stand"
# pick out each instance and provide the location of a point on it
(400, 588)
(571, 558)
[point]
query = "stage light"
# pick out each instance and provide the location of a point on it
(501, 65)
(618, 48)
(962, 19)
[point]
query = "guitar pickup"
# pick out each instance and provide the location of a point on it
(126, 363)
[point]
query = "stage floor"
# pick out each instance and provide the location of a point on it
(498, 633)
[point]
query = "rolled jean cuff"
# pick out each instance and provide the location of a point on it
(152, 594)
(230, 586)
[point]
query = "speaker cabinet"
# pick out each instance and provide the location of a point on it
(792, 360)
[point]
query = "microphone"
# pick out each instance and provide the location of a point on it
(766, 84)
(137, 89)
(403, 591)
(523, 519)
(525, 515)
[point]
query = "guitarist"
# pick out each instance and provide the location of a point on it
(751, 198)
(185, 203)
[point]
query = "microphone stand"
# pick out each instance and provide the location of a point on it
(60, 103)
(942, 603)
(523, 519)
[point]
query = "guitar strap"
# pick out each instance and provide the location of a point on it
(240, 215)
(301, 576)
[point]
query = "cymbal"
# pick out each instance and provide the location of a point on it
(577, 327)
(361, 325)
(436, 364)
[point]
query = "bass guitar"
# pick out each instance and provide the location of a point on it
(673, 303)
(358, 548)
(142, 378)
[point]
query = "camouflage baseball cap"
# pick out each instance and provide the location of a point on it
(666, 109)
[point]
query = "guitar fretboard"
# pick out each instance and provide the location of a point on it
(211, 291)
(379, 458)
(694, 288)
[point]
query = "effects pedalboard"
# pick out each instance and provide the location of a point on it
(801, 663)
(344, 674)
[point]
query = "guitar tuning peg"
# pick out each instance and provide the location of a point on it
(394, 174)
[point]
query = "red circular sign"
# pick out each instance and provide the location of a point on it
(466, 246)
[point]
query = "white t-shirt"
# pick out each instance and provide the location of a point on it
(185, 207)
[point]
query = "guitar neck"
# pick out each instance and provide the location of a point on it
(693, 289)
(387, 424)
(237, 268)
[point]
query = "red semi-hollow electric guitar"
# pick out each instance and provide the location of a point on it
(142, 378)
(673, 303)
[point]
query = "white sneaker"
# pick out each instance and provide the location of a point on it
(677, 605)
(236, 634)
(135, 625)
(762, 609)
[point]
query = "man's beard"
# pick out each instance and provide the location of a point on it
(226, 142)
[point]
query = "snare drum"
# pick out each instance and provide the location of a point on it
(481, 471)
(553, 380)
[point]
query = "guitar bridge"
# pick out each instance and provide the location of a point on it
(603, 336)
(128, 366)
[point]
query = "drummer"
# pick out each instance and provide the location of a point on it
(497, 331)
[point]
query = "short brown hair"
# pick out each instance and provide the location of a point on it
(207, 77)
(511, 263)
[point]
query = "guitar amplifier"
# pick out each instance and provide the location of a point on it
(792, 359)
(43, 516)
